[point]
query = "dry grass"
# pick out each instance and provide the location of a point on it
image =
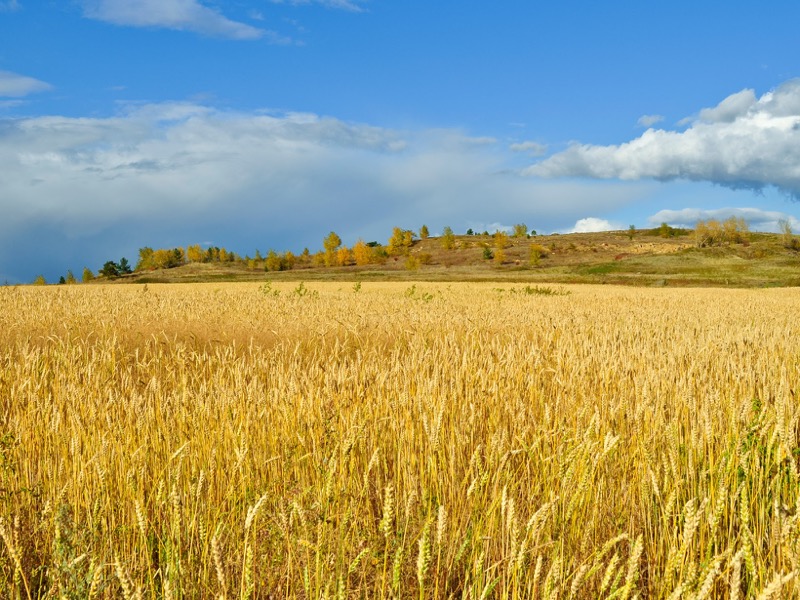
(383, 440)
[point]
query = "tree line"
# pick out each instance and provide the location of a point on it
(333, 254)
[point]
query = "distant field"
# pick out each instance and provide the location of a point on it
(398, 440)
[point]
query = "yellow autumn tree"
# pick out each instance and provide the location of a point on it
(195, 253)
(273, 262)
(501, 240)
(520, 230)
(331, 244)
(448, 239)
(400, 242)
(344, 257)
(362, 253)
(735, 230)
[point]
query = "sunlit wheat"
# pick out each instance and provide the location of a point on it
(440, 440)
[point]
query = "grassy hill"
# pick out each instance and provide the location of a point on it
(645, 259)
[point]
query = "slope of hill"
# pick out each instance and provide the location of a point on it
(608, 257)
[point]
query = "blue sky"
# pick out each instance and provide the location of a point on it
(266, 124)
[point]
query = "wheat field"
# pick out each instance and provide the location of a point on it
(398, 441)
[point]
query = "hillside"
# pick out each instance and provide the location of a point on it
(646, 259)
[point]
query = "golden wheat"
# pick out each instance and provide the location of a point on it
(398, 440)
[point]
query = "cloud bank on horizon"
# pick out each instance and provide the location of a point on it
(172, 170)
(745, 142)
(179, 157)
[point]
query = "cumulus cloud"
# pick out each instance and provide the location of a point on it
(187, 15)
(742, 143)
(593, 225)
(180, 173)
(15, 86)
(756, 218)
(533, 148)
(730, 109)
(649, 120)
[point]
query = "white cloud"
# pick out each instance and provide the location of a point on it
(350, 5)
(649, 120)
(756, 218)
(9, 5)
(593, 225)
(186, 15)
(167, 158)
(533, 148)
(16, 86)
(743, 142)
(734, 106)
